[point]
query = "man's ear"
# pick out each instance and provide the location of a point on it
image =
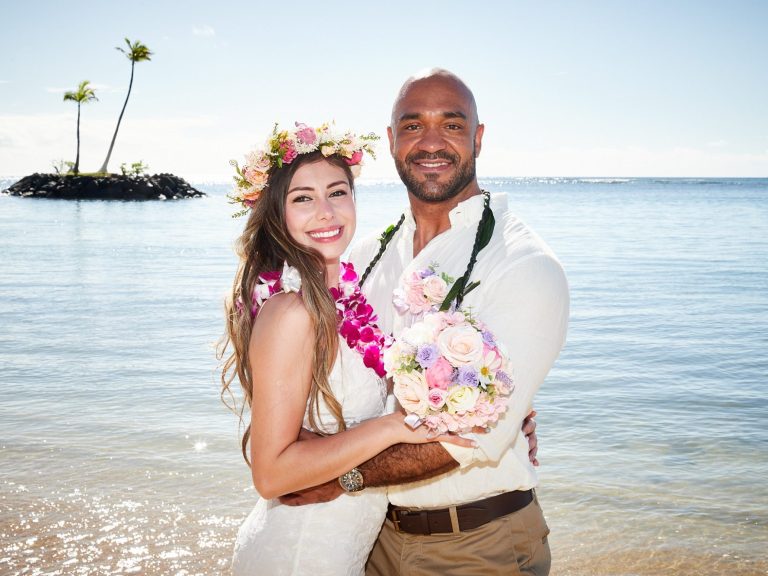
(479, 139)
(391, 138)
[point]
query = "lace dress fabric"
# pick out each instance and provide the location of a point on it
(331, 538)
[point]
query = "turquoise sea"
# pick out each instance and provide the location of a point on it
(118, 457)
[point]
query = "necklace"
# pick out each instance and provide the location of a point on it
(462, 286)
(356, 319)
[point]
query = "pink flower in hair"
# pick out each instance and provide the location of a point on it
(356, 158)
(305, 134)
(290, 153)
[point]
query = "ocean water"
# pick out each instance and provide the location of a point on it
(118, 456)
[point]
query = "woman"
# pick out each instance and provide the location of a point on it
(294, 369)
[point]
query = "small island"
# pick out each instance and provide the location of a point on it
(132, 184)
(106, 187)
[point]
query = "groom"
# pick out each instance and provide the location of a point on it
(461, 510)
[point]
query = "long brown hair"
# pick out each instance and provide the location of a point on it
(265, 245)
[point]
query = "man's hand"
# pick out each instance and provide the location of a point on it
(529, 429)
(322, 493)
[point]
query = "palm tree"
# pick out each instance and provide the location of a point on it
(82, 95)
(136, 52)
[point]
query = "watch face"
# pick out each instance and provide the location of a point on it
(352, 481)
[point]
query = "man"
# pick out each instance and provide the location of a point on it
(462, 510)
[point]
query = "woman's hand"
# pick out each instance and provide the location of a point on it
(421, 435)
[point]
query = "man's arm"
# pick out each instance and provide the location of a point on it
(400, 464)
(407, 465)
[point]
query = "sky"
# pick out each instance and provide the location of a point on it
(564, 88)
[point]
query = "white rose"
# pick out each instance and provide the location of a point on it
(462, 399)
(435, 289)
(392, 357)
(461, 345)
(419, 334)
(410, 389)
(258, 161)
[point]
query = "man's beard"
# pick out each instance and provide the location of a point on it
(430, 190)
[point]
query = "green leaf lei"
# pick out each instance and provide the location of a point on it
(462, 287)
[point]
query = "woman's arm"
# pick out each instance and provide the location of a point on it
(280, 351)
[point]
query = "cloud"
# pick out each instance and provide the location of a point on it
(204, 30)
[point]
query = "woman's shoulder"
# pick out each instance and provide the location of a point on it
(283, 313)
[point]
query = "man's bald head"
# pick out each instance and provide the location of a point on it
(434, 79)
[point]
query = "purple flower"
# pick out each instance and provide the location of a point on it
(488, 338)
(467, 376)
(426, 355)
(426, 273)
(504, 378)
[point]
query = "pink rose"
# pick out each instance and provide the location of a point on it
(435, 289)
(436, 398)
(305, 134)
(356, 157)
(439, 375)
(414, 294)
(289, 155)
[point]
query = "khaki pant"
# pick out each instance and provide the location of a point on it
(513, 544)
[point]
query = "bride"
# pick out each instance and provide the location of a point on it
(307, 353)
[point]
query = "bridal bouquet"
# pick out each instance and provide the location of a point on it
(449, 373)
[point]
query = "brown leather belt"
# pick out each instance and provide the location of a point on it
(466, 516)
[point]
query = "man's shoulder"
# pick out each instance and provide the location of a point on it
(515, 241)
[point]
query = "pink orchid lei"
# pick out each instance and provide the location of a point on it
(284, 146)
(357, 321)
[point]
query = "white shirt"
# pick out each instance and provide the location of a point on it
(522, 298)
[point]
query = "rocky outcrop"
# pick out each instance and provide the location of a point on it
(112, 187)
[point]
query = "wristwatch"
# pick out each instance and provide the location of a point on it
(352, 481)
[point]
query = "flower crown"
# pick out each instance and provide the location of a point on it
(283, 146)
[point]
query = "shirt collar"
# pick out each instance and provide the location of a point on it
(467, 212)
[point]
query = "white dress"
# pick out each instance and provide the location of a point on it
(328, 539)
